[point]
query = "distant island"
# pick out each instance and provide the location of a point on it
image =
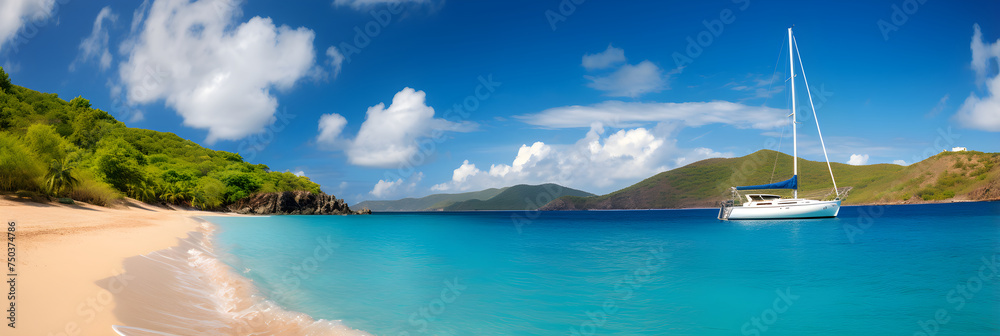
(947, 176)
(518, 197)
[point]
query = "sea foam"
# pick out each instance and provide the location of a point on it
(188, 290)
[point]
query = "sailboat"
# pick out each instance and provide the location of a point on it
(767, 206)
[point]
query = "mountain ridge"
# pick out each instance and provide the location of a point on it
(955, 176)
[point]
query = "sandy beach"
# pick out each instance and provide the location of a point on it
(69, 260)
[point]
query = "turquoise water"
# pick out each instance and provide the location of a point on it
(872, 271)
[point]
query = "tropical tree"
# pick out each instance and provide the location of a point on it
(120, 164)
(4, 81)
(60, 175)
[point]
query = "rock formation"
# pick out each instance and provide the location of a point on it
(293, 203)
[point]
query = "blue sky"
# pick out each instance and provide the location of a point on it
(587, 95)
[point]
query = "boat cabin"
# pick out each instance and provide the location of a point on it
(757, 198)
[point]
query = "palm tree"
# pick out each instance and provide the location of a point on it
(60, 176)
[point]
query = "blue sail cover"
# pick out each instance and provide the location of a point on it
(792, 183)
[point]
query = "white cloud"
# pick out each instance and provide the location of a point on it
(858, 160)
(14, 14)
(11, 67)
(362, 4)
(388, 188)
(390, 136)
(336, 60)
(983, 113)
(630, 80)
(594, 163)
(300, 173)
(330, 127)
(759, 86)
(631, 114)
(463, 172)
(216, 72)
(95, 46)
(604, 59)
(626, 80)
(899, 162)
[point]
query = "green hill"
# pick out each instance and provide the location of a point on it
(519, 197)
(959, 176)
(428, 203)
(53, 148)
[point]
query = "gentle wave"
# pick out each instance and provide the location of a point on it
(187, 290)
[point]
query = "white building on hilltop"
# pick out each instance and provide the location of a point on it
(958, 149)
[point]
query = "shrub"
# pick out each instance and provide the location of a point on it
(45, 142)
(19, 170)
(93, 191)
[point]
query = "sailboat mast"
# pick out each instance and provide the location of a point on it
(795, 138)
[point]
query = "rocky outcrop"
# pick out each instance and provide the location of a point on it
(293, 203)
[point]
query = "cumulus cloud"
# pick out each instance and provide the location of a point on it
(595, 163)
(630, 80)
(336, 60)
(362, 4)
(983, 113)
(217, 72)
(858, 159)
(95, 46)
(626, 80)
(390, 136)
(330, 127)
(387, 188)
(632, 114)
(605, 59)
(14, 14)
(899, 162)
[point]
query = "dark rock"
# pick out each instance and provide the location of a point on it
(293, 203)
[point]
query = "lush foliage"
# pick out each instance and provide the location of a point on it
(58, 148)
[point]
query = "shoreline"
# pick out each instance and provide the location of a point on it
(196, 293)
(84, 269)
(69, 260)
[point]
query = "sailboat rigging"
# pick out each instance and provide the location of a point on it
(767, 206)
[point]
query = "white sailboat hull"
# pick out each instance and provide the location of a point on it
(791, 209)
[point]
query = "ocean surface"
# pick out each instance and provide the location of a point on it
(874, 270)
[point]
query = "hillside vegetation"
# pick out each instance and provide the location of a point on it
(519, 197)
(53, 148)
(957, 176)
(428, 203)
